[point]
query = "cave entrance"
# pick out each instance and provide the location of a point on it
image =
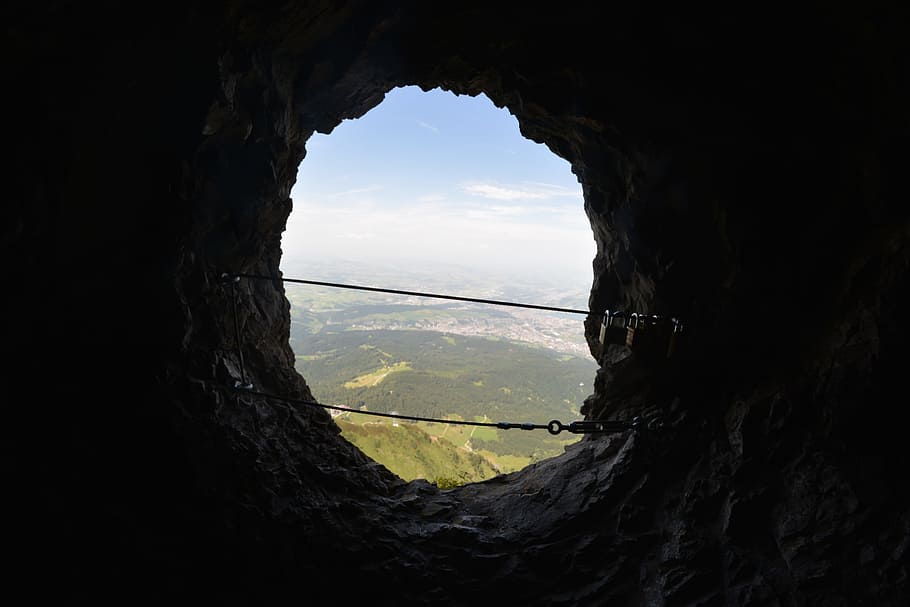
(440, 193)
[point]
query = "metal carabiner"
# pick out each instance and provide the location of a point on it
(610, 326)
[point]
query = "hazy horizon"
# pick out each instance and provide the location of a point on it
(437, 179)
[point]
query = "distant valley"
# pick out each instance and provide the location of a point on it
(446, 361)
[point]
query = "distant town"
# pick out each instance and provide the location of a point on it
(560, 334)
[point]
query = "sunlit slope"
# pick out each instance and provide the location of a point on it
(435, 375)
(411, 453)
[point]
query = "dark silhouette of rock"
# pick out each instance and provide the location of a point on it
(743, 171)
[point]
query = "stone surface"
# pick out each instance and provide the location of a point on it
(743, 171)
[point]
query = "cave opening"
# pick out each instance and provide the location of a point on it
(744, 170)
(436, 192)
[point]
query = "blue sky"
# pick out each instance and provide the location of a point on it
(430, 177)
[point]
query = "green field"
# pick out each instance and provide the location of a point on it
(411, 453)
(430, 374)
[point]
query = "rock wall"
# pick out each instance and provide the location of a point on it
(742, 171)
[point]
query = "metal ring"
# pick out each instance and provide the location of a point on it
(555, 427)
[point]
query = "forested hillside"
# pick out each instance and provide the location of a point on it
(430, 374)
(411, 453)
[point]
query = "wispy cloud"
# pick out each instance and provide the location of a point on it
(366, 190)
(496, 212)
(525, 191)
(558, 189)
(432, 198)
(488, 190)
(427, 126)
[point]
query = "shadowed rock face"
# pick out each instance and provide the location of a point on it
(744, 172)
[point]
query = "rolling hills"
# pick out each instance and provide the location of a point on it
(437, 375)
(457, 361)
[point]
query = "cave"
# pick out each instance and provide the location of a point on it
(742, 171)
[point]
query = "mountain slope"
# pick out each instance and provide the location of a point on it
(411, 453)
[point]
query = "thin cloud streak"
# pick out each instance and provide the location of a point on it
(520, 192)
(552, 186)
(366, 190)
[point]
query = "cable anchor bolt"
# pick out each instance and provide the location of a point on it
(653, 424)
